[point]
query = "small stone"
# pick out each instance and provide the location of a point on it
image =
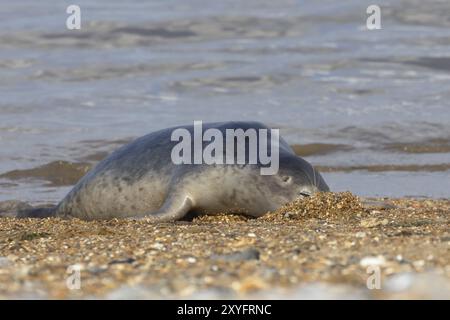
(251, 235)
(191, 260)
(23, 270)
(12, 257)
(360, 234)
(139, 252)
(4, 262)
(370, 223)
(214, 268)
(349, 244)
(288, 214)
(418, 264)
(122, 261)
(248, 254)
(157, 246)
(97, 270)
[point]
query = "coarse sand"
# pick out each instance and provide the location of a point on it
(331, 245)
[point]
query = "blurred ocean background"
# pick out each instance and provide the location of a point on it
(371, 109)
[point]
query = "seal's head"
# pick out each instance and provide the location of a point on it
(296, 178)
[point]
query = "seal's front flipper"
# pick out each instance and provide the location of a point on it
(174, 208)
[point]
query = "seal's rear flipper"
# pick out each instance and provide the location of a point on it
(39, 212)
(11, 208)
(19, 209)
(174, 208)
(8, 214)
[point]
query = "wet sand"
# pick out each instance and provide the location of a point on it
(317, 248)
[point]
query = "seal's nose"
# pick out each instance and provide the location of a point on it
(309, 191)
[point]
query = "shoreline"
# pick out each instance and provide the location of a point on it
(323, 244)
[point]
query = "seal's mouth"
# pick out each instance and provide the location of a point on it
(305, 194)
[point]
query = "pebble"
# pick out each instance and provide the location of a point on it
(4, 262)
(122, 261)
(372, 261)
(191, 260)
(157, 246)
(418, 264)
(369, 222)
(288, 214)
(214, 268)
(247, 254)
(96, 270)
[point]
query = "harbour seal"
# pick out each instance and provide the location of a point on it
(140, 180)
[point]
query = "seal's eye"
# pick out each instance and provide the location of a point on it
(286, 179)
(305, 194)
